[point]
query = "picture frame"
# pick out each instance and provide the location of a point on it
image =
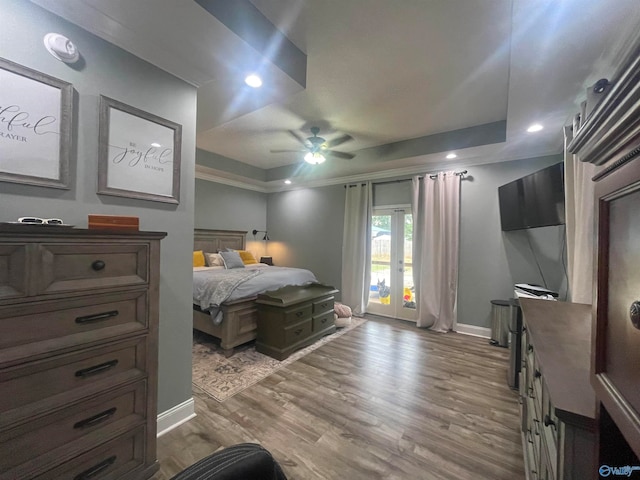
(139, 153)
(36, 123)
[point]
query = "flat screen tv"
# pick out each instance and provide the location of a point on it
(536, 200)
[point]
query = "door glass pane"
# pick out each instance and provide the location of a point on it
(380, 289)
(408, 290)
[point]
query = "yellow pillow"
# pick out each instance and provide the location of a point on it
(198, 259)
(247, 257)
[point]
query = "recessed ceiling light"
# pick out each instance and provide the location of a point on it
(452, 155)
(288, 182)
(253, 80)
(156, 144)
(536, 127)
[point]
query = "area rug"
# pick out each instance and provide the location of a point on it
(221, 377)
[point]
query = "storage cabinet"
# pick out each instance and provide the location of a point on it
(617, 356)
(78, 353)
(557, 402)
(610, 139)
(293, 317)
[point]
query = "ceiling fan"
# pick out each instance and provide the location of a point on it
(317, 148)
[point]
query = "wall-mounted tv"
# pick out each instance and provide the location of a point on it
(536, 200)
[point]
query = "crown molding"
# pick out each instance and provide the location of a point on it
(226, 178)
(275, 186)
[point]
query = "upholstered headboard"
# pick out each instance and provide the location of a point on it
(212, 241)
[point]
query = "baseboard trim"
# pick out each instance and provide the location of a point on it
(473, 330)
(176, 416)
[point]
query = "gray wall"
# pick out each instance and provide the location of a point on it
(223, 207)
(110, 71)
(305, 227)
(491, 261)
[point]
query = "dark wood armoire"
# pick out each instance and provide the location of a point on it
(610, 139)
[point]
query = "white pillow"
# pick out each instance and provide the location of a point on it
(214, 259)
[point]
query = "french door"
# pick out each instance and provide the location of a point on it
(391, 292)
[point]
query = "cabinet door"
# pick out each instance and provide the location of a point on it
(617, 332)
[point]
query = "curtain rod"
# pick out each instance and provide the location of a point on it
(435, 175)
(432, 176)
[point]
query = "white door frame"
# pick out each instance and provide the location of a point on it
(395, 308)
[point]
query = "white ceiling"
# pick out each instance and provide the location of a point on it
(382, 71)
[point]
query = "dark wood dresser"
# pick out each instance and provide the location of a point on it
(610, 138)
(293, 317)
(78, 353)
(558, 403)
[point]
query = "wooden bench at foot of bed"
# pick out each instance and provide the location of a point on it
(239, 324)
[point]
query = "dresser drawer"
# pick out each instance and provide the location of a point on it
(13, 268)
(323, 305)
(34, 438)
(322, 322)
(40, 380)
(78, 267)
(42, 328)
(298, 332)
(110, 461)
(297, 313)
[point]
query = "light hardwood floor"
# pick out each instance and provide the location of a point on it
(384, 401)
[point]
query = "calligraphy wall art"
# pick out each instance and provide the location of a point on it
(139, 153)
(35, 127)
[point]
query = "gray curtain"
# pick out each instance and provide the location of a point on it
(356, 247)
(435, 205)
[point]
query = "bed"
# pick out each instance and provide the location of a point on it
(237, 317)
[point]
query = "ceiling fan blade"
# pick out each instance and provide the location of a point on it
(295, 135)
(338, 141)
(343, 155)
(282, 151)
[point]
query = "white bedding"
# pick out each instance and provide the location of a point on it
(213, 285)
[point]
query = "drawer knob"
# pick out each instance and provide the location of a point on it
(324, 320)
(530, 348)
(548, 421)
(299, 314)
(298, 331)
(98, 265)
(634, 314)
(537, 374)
(94, 471)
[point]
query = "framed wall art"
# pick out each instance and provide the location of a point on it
(139, 154)
(36, 124)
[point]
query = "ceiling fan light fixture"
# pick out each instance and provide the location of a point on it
(253, 80)
(314, 158)
(451, 156)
